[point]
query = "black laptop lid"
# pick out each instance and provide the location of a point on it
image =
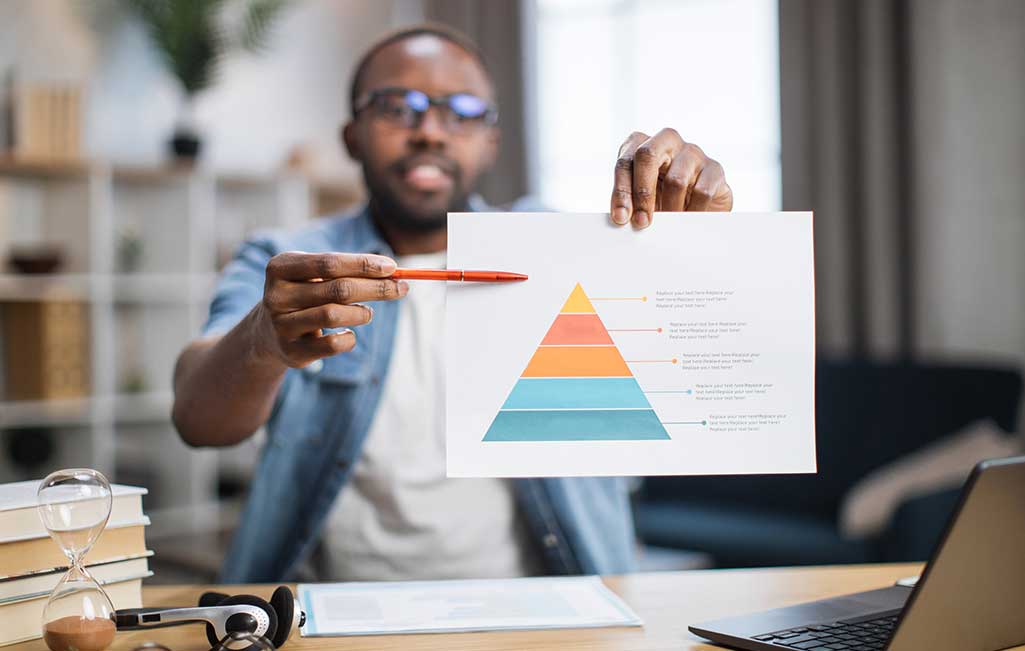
(972, 594)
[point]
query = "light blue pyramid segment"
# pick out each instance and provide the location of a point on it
(577, 393)
(577, 425)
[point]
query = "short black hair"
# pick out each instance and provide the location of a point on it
(443, 32)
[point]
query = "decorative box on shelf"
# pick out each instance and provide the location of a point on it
(46, 349)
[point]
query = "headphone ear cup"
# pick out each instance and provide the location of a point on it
(247, 600)
(208, 599)
(283, 603)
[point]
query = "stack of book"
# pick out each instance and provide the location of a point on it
(31, 564)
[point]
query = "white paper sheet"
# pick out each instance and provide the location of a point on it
(337, 609)
(686, 348)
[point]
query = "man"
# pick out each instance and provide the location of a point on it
(352, 393)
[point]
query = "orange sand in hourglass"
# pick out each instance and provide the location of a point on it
(78, 634)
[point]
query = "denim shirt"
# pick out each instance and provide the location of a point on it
(321, 416)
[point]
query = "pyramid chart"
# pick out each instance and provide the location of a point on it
(576, 387)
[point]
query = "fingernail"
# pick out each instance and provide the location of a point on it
(370, 315)
(403, 288)
(388, 265)
(620, 216)
(641, 219)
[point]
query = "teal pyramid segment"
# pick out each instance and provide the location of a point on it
(577, 393)
(576, 425)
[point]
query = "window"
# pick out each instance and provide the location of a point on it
(708, 68)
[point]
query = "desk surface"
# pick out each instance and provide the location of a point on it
(667, 602)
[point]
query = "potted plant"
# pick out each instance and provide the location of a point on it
(192, 37)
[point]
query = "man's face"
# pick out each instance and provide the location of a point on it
(416, 175)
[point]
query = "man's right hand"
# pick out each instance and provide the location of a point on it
(305, 293)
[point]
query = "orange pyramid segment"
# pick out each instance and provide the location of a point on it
(577, 361)
(577, 302)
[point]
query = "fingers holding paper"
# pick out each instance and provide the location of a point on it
(665, 173)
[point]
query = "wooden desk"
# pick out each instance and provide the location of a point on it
(667, 602)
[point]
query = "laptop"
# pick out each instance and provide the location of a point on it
(971, 596)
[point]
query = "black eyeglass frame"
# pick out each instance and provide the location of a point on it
(488, 118)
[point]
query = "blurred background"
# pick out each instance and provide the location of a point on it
(130, 171)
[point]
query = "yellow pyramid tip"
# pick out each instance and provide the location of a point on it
(577, 302)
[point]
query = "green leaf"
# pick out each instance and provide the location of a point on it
(189, 38)
(260, 15)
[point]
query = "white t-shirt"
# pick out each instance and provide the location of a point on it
(399, 517)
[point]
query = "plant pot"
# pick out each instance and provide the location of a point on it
(185, 145)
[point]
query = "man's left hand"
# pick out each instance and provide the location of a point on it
(663, 172)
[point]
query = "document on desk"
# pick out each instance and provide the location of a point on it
(686, 348)
(385, 608)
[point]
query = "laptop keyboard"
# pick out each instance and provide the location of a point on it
(867, 635)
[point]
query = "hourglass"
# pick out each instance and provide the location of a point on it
(74, 506)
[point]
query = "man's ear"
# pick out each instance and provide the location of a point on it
(352, 144)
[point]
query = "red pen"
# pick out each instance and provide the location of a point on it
(458, 275)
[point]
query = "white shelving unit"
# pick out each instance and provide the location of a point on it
(185, 224)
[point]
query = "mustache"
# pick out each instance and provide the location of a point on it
(445, 164)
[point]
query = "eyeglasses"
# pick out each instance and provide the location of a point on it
(404, 107)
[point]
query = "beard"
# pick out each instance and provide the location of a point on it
(405, 213)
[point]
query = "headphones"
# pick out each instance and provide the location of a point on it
(225, 615)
